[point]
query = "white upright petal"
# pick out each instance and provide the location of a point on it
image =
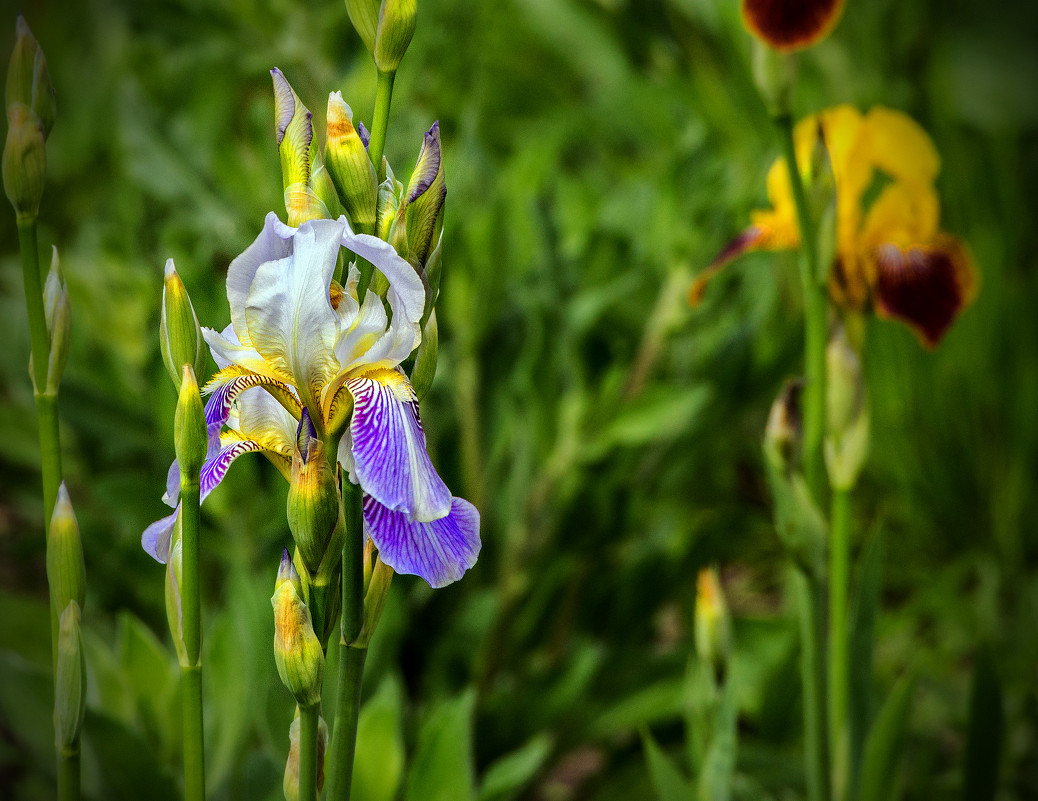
(289, 313)
(274, 242)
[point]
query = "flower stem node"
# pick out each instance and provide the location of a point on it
(190, 436)
(347, 162)
(66, 570)
(297, 651)
(847, 407)
(396, 24)
(291, 781)
(313, 497)
(180, 336)
(69, 679)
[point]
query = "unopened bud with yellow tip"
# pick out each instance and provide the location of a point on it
(180, 336)
(297, 651)
(346, 159)
(712, 626)
(313, 496)
(66, 570)
(190, 435)
(69, 679)
(291, 781)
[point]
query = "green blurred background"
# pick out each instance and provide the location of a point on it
(598, 154)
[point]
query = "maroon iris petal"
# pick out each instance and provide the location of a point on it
(791, 24)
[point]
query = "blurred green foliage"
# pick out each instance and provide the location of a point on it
(599, 153)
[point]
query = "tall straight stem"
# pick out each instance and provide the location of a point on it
(380, 120)
(191, 673)
(814, 290)
(351, 659)
(308, 722)
(810, 608)
(839, 656)
(69, 774)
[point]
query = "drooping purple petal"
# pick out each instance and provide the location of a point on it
(440, 552)
(388, 443)
(215, 469)
(157, 537)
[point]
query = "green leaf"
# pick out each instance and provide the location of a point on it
(442, 768)
(152, 673)
(379, 763)
(126, 762)
(986, 732)
(879, 771)
(660, 701)
(507, 776)
(667, 780)
(716, 778)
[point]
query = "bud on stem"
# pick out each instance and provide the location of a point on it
(190, 436)
(66, 571)
(69, 679)
(180, 336)
(313, 496)
(297, 651)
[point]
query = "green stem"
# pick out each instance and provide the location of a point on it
(810, 607)
(380, 120)
(351, 659)
(194, 755)
(308, 722)
(815, 323)
(69, 773)
(194, 743)
(39, 337)
(839, 668)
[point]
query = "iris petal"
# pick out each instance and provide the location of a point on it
(274, 242)
(791, 24)
(156, 538)
(439, 551)
(388, 445)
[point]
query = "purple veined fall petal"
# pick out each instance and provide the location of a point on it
(439, 551)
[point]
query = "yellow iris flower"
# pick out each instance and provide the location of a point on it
(890, 251)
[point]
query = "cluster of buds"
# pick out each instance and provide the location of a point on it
(30, 116)
(66, 575)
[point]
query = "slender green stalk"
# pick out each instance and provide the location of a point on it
(191, 673)
(839, 668)
(308, 722)
(50, 453)
(380, 120)
(815, 322)
(351, 659)
(811, 611)
(69, 774)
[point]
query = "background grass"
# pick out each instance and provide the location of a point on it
(598, 154)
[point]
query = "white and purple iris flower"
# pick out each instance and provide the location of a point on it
(298, 340)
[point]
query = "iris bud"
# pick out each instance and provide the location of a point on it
(190, 437)
(180, 336)
(711, 624)
(348, 164)
(66, 571)
(58, 316)
(784, 431)
(424, 369)
(313, 498)
(426, 194)
(364, 16)
(847, 413)
(28, 80)
(297, 651)
(396, 23)
(291, 781)
(24, 161)
(174, 605)
(293, 128)
(69, 679)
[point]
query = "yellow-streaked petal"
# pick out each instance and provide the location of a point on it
(902, 214)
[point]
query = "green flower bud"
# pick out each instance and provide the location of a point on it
(297, 651)
(313, 496)
(66, 571)
(58, 315)
(424, 369)
(302, 204)
(784, 431)
(69, 679)
(433, 271)
(775, 75)
(174, 605)
(364, 16)
(349, 166)
(293, 127)
(28, 80)
(190, 436)
(24, 161)
(712, 628)
(847, 413)
(180, 336)
(390, 195)
(396, 23)
(322, 185)
(426, 194)
(291, 781)
(376, 592)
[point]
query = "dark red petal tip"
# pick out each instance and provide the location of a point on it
(791, 24)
